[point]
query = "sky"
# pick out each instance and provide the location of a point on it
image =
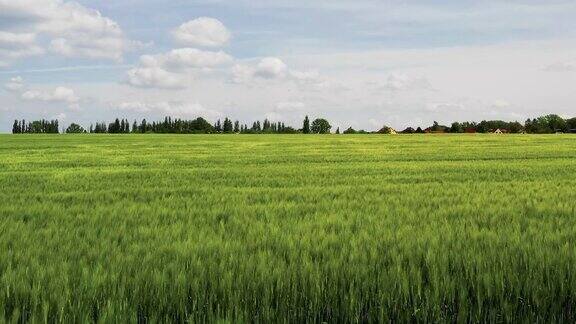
(357, 63)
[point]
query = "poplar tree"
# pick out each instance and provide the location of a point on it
(306, 126)
(15, 128)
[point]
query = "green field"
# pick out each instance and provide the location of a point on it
(293, 228)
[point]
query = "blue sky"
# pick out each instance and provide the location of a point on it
(358, 63)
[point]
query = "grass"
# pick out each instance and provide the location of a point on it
(288, 228)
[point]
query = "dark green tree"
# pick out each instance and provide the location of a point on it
(143, 126)
(571, 124)
(75, 129)
(228, 126)
(306, 126)
(320, 126)
(16, 128)
(350, 130)
(456, 128)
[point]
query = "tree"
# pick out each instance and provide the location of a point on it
(75, 129)
(228, 127)
(386, 130)
(143, 126)
(515, 127)
(306, 126)
(556, 123)
(350, 130)
(338, 130)
(117, 126)
(320, 126)
(456, 128)
(16, 128)
(236, 127)
(571, 123)
(438, 128)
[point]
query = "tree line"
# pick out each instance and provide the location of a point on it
(35, 127)
(541, 125)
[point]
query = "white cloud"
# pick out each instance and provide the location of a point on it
(447, 107)
(271, 68)
(305, 76)
(15, 84)
(70, 29)
(567, 66)
(403, 82)
(202, 32)
(60, 117)
(169, 70)
(14, 46)
(154, 77)
(186, 58)
(59, 94)
(500, 104)
(176, 109)
(290, 106)
(286, 111)
(19, 40)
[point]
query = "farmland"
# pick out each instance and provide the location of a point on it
(290, 228)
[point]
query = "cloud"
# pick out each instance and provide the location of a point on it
(70, 29)
(290, 106)
(447, 107)
(401, 82)
(202, 32)
(176, 109)
(15, 84)
(59, 94)
(274, 69)
(14, 46)
(60, 117)
(500, 104)
(168, 70)
(567, 66)
(271, 68)
(286, 111)
(186, 58)
(154, 77)
(305, 76)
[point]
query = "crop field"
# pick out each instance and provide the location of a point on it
(287, 228)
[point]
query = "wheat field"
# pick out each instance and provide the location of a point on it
(287, 228)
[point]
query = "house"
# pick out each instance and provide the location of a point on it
(470, 130)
